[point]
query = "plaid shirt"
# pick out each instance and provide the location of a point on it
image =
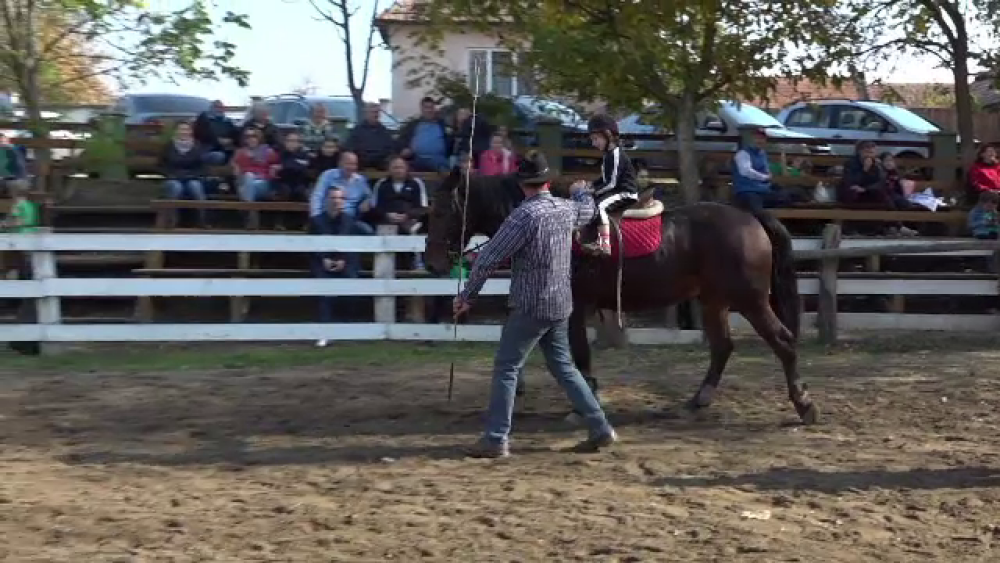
(538, 238)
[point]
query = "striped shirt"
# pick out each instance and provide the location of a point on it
(538, 238)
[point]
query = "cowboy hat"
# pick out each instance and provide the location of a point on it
(533, 169)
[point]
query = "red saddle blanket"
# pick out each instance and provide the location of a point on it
(640, 237)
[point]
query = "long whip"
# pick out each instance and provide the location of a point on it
(465, 210)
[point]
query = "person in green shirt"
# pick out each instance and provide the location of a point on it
(23, 216)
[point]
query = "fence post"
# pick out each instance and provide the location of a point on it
(826, 306)
(550, 142)
(48, 309)
(384, 268)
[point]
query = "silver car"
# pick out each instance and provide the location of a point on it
(289, 111)
(725, 121)
(862, 120)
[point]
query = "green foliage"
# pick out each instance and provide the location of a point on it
(104, 152)
(680, 55)
(122, 39)
(454, 87)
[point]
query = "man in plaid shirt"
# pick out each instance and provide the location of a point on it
(537, 237)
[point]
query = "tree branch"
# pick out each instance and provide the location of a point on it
(370, 47)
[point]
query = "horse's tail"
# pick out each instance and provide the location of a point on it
(784, 284)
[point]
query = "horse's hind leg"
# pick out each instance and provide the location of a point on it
(715, 318)
(781, 341)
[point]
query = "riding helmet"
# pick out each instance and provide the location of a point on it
(602, 123)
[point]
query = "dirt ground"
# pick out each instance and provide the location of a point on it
(350, 455)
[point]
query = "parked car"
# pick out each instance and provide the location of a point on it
(725, 121)
(529, 110)
(860, 120)
(163, 109)
(288, 111)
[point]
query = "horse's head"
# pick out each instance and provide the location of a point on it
(444, 230)
(485, 201)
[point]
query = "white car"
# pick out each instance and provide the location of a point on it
(861, 120)
(725, 121)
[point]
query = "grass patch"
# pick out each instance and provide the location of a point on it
(204, 356)
(238, 355)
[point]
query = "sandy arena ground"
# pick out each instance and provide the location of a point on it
(292, 454)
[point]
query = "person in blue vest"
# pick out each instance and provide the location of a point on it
(752, 187)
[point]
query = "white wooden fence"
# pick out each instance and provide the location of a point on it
(47, 288)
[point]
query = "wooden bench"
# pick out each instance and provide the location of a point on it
(955, 219)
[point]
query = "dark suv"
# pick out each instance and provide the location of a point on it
(288, 111)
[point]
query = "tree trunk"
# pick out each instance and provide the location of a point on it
(687, 157)
(359, 103)
(963, 105)
(31, 96)
(860, 84)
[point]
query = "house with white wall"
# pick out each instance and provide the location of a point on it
(415, 64)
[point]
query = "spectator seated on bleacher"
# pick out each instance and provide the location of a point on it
(984, 175)
(357, 193)
(333, 221)
(752, 186)
(254, 165)
(401, 199)
(183, 163)
(982, 219)
(864, 181)
(217, 134)
(260, 119)
(371, 141)
(327, 158)
(426, 141)
(498, 160)
(317, 130)
(292, 179)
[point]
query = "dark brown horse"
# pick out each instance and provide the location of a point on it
(726, 258)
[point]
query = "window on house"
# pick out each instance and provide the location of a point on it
(494, 71)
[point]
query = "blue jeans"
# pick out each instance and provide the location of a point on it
(430, 163)
(252, 188)
(216, 158)
(352, 265)
(520, 335)
(185, 189)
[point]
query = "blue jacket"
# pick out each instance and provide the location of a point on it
(982, 222)
(746, 184)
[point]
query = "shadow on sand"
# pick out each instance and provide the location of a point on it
(836, 482)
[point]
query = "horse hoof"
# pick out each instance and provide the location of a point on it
(809, 414)
(574, 419)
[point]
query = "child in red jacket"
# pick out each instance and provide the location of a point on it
(984, 176)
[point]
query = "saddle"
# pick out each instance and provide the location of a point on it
(640, 226)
